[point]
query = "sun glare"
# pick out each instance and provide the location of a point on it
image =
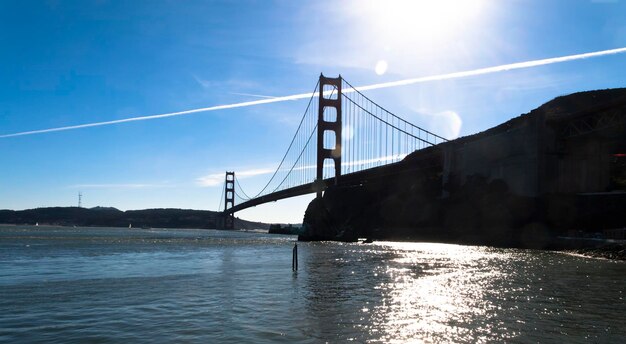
(434, 17)
(402, 31)
(381, 67)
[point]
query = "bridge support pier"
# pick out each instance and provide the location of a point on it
(229, 200)
(329, 98)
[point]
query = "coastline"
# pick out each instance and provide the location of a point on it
(613, 251)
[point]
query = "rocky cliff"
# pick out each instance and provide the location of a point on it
(492, 187)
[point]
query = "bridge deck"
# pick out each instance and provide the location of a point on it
(411, 164)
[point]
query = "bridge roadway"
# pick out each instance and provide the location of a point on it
(418, 160)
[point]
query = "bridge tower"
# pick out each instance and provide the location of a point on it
(229, 200)
(329, 98)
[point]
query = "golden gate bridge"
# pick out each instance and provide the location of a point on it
(343, 138)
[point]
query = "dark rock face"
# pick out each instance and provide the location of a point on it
(317, 224)
(519, 184)
(478, 212)
(415, 211)
(323, 219)
(368, 209)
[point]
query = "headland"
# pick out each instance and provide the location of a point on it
(554, 173)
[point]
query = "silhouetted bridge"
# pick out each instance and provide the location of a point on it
(343, 138)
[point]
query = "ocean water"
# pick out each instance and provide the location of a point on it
(112, 285)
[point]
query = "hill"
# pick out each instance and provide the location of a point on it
(112, 217)
(559, 170)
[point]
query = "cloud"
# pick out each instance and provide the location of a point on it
(120, 186)
(252, 95)
(229, 83)
(204, 83)
(446, 123)
(211, 179)
(398, 83)
(215, 179)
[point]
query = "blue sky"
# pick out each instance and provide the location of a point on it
(65, 63)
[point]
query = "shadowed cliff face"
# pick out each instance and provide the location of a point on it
(369, 209)
(536, 183)
(478, 212)
(413, 210)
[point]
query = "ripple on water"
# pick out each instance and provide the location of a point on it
(115, 285)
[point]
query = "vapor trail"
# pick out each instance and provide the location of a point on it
(456, 75)
(489, 70)
(171, 114)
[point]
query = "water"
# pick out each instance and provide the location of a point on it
(105, 285)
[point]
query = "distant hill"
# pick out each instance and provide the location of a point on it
(112, 217)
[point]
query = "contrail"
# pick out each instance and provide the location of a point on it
(455, 75)
(171, 114)
(488, 70)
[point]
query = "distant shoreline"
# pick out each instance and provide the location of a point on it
(95, 226)
(253, 230)
(112, 217)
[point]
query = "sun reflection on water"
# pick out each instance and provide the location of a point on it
(433, 289)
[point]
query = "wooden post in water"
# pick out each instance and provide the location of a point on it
(294, 258)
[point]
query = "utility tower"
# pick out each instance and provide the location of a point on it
(80, 199)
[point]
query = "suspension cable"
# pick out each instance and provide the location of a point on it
(290, 144)
(219, 207)
(298, 159)
(241, 189)
(241, 198)
(389, 119)
(391, 125)
(391, 113)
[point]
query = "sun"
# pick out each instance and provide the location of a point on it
(406, 28)
(432, 17)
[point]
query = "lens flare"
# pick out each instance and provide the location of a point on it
(381, 67)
